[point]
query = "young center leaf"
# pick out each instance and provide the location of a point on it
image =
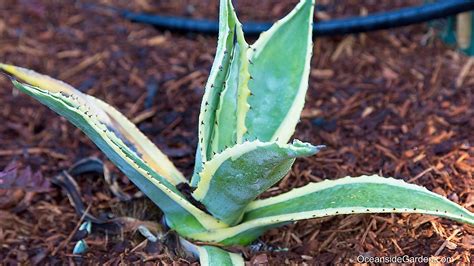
(116, 137)
(228, 64)
(233, 106)
(365, 194)
(279, 67)
(235, 177)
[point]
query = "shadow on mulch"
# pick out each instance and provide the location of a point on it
(398, 103)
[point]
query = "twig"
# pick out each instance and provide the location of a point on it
(421, 174)
(49, 152)
(89, 61)
(440, 249)
(140, 245)
(372, 223)
(464, 72)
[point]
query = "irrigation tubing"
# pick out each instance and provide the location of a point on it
(376, 21)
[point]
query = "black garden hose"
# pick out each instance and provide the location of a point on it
(376, 21)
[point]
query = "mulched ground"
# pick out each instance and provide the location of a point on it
(398, 103)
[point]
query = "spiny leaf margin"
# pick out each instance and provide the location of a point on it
(214, 85)
(233, 107)
(262, 215)
(177, 209)
(275, 119)
(235, 177)
(108, 115)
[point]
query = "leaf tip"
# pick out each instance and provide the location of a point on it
(7, 71)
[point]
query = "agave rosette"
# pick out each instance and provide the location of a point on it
(252, 103)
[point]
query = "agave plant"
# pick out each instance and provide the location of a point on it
(252, 103)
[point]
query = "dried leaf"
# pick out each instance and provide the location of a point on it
(12, 177)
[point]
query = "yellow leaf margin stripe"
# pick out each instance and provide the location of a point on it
(205, 127)
(83, 108)
(211, 166)
(220, 235)
(315, 187)
(157, 160)
(211, 255)
(288, 124)
(243, 91)
(108, 114)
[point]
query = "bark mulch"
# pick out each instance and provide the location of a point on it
(396, 103)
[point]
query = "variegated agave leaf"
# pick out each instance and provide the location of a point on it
(365, 194)
(255, 92)
(235, 177)
(121, 141)
(210, 255)
(280, 65)
(231, 173)
(113, 119)
(226, 91)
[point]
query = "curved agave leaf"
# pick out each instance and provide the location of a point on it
(114, 120)
(235, 177)
(224, 105)
(233, 106)
(365, 194)
(157, 160)
(280, 65)
(215, 83)
(210, 255)
(98, 126)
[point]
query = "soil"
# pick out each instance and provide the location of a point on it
(396, 103)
